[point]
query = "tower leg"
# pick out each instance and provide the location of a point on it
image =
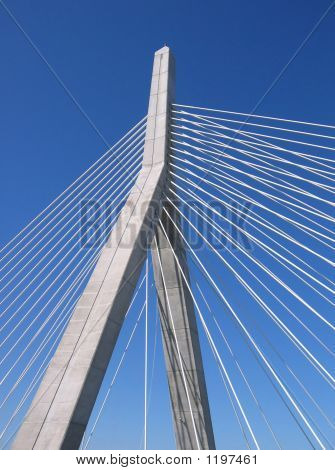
(190, 408)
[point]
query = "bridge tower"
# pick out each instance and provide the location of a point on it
(60, 411)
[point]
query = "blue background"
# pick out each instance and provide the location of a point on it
(227, 54)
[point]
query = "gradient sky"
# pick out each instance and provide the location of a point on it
(227, 55)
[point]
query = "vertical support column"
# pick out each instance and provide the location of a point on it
(191, 414)
(62, 406)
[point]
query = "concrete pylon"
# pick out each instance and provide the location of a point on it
(187, 386)
(59, 413)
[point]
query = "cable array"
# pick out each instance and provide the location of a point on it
(45, 267)
(254, 199)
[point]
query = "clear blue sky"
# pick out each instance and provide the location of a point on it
(227, 54)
